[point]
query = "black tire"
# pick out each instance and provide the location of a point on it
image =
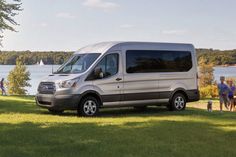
(89, 107)
(178, 102)
(55, 111)
(140, 108)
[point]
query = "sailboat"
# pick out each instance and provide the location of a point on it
(41, 63)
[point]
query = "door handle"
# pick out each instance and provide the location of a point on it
(118, 79)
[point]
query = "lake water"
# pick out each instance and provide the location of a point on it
(38, 72)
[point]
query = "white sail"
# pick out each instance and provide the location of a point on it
(41, 62)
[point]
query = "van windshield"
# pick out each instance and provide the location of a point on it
(78, 63)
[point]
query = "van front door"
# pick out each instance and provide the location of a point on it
(110, 83)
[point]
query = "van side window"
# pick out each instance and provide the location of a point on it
(148, 61)
(109, 65)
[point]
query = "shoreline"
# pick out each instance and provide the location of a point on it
(226, 65)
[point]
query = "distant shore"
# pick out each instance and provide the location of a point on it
(226, 65)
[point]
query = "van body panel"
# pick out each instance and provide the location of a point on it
(122, 88)
(136, 103)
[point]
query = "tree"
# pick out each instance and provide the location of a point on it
(18, 79)
(7, 12)
(205, 73)
(207, 87)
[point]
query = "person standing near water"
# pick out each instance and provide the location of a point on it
(223, 93)
(2, 87)
(231, 94)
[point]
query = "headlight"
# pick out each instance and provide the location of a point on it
(68, 83)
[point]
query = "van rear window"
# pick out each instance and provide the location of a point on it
(148, 61)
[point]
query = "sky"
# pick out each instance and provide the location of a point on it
(67, 25)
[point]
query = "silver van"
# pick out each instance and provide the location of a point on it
(120, 74)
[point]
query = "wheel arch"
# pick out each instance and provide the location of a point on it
(93, 94)
(179, 90)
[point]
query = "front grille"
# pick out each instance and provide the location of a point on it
(47, 88)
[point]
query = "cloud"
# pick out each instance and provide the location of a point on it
(174, 32)
(127, 26)
(65, 15)
(43, 24)
(101, 4)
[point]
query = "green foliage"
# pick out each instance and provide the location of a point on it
(217, 57)
(209, 91)
(7, 12)
(205, 92)
(210, 56)
(214, 91)
(205, 73)
(18, 79)
(30, 58)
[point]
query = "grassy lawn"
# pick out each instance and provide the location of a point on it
(26, 130)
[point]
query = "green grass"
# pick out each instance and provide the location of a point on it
(26, 130)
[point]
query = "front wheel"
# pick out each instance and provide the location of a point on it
(178, 102)
(88, 107)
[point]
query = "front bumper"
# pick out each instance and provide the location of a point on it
(58, 102)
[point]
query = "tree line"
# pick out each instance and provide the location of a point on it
(210, 56)
(31, 58)
(217, 57)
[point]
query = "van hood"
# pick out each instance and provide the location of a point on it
(60, 77)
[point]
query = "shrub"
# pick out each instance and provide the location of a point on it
(214, 91)
(205, 92)
(210, 91)
(18, 79)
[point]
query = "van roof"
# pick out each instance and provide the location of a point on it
(117, 45)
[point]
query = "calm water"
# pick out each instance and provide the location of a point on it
(38, 72)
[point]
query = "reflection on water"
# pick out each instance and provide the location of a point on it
(39, 72)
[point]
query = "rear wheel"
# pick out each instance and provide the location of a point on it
(178, 102)
(88, 107)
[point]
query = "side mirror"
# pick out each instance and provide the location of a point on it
(98, 72)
